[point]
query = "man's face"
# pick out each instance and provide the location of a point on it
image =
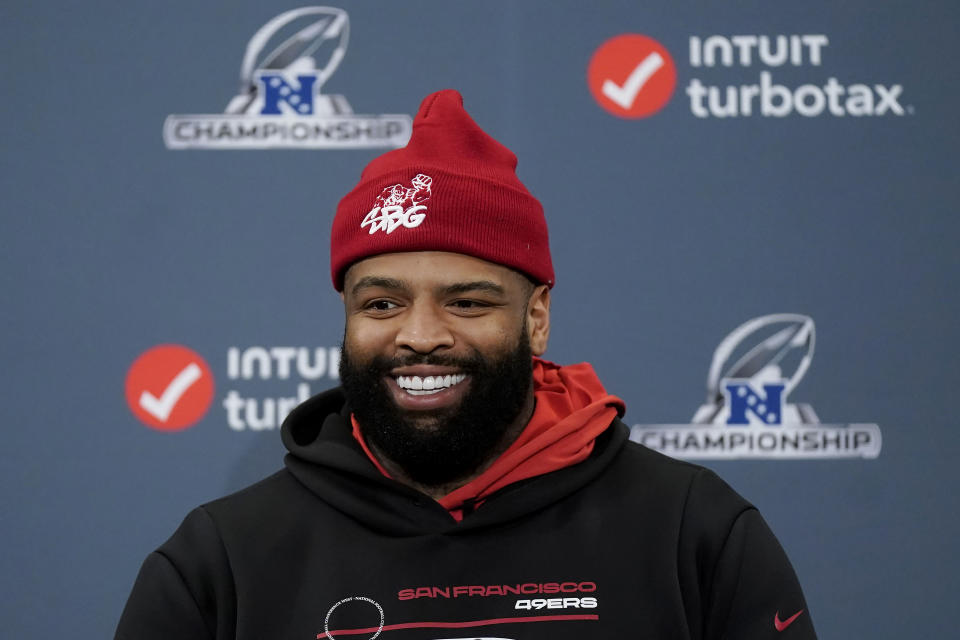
(437, 357)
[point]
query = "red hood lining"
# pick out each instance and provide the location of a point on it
(572, 409)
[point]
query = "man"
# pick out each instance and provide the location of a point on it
(457, 485)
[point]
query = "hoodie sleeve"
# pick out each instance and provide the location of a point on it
(745, 585)
(184, 589)
(755, 592)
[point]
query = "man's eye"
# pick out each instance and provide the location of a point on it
(468, 304)
(381, 305)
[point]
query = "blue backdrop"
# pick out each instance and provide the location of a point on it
(668, 231)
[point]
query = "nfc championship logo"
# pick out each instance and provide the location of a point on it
(281, 103)
(746, 414)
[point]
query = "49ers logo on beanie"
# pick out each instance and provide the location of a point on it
(478, 206)
(399, 205)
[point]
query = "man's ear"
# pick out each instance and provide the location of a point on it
(538, 319)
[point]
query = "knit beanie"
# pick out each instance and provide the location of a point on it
(452, 188)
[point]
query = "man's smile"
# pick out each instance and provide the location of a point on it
(426, 387)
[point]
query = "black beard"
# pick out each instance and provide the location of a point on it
(437, 447)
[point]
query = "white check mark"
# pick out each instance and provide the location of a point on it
(626, 94)
(161, 407)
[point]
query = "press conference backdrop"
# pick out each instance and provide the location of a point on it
(752, 209)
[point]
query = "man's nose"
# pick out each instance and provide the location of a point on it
(424, 329)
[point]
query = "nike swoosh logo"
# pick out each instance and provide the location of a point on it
(786, 623)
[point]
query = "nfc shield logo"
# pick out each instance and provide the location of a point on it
(746, 402)
(277, 91)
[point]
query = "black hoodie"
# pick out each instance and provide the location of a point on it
(626, 544)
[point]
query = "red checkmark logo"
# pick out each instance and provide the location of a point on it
(631, 76)
(781, 625)
(169, 387)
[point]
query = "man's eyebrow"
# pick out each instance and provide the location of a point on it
(382, 282)
(467, 287)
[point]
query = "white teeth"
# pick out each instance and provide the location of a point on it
(418, 386)
(410, 382)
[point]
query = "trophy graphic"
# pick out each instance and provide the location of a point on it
(288, 79)
(757, 384)
(746, 413)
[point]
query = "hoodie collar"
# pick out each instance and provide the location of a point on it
(572, 409)
(329, 462)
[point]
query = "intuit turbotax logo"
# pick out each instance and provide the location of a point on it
(785, 64)
(747, 415)
(170, 387)
(280, 103)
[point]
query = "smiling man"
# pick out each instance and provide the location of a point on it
(457, 483)
(437, 362)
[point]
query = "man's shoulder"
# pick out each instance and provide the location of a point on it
(274, 492)
(657, 462)
(643, 460)
(699, 489)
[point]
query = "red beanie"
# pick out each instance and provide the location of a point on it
(452, 188)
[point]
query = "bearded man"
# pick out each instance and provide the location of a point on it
(457, 484)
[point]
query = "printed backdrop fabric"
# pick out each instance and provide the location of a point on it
(752, 210)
